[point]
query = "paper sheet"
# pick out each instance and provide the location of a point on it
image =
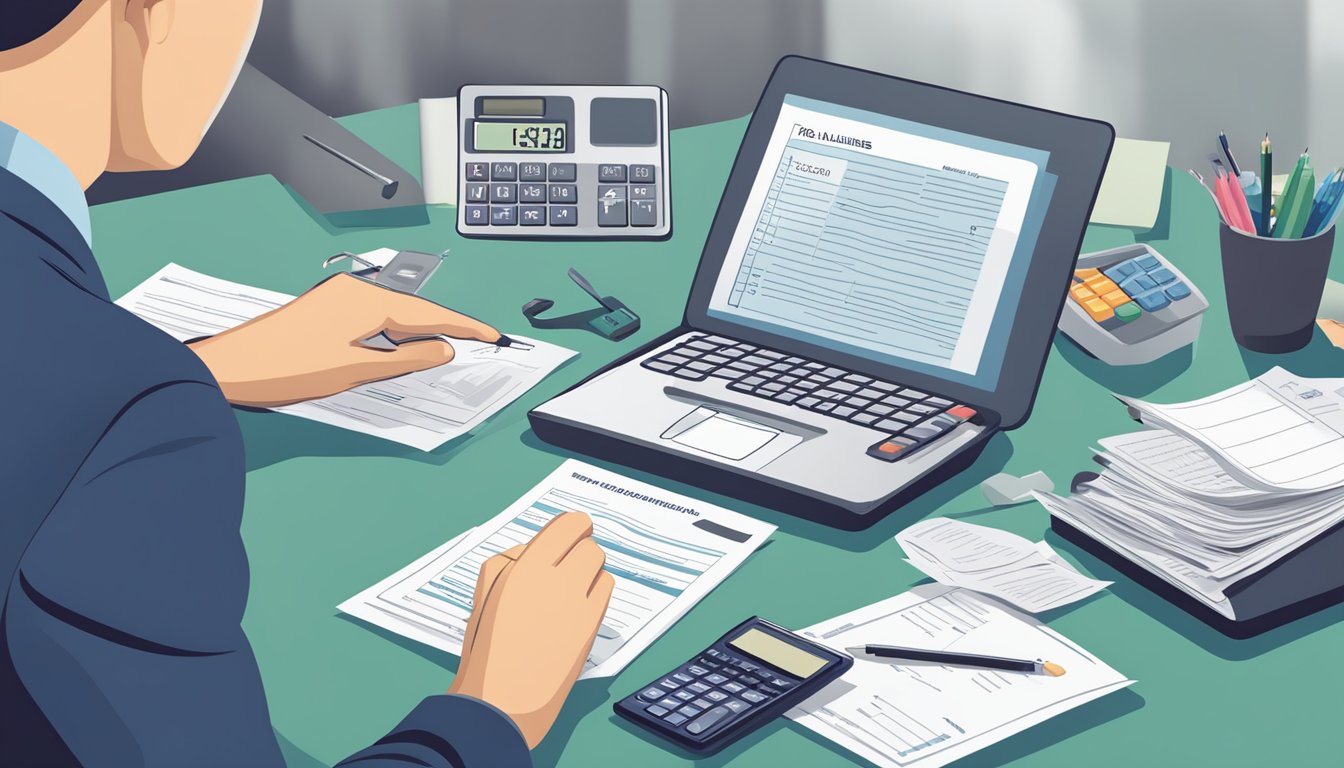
(900, 713)
(423, 410)
(1032, 577)
(665, 550)
(438, 150)
(1131, 189)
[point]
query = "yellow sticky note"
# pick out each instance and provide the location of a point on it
(1131, 190)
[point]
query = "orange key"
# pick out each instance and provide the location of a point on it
(1099, 310)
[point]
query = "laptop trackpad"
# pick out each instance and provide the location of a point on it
(728, 437)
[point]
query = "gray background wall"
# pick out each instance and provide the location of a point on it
(1160, 69)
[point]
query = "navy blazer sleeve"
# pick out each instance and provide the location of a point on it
(121, 496)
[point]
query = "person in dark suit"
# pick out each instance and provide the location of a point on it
(122, 572)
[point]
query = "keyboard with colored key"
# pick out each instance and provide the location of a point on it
(1135, 296)
(746, 678)
(910, 418)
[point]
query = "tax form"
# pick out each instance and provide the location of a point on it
(666, 552)
(903, 713)
(997, 563)
(423, 410)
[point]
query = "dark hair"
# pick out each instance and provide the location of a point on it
(23, 21)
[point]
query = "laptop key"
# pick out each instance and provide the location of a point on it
(864, 418)
(686, 373)
(885, 386)
(826, 406)
(727, 373)
(773, 386)
(844, 411)
(702, 344)
(844, 386)
(857, 378)
(772, 354)
(668, 357)
(785, 397)
(880, 409)
(701, 365)
(895, 402)
(834, 373)
(907, 417)
(732, 352)
(890, 425)
(913, 394)
(870, 393)
(938, 401)
(756, 360)
(660, 365)
(807, 402)
(922, 408)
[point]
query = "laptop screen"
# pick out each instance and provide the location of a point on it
(893, 240)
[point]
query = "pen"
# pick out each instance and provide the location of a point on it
(381, 340)
(389, 185)
(1266, 184)
(960, 659)
(1295, 203)
(1231, 161)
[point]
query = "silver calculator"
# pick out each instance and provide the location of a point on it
(563, 161)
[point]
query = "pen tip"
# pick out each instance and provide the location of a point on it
(1052, 669)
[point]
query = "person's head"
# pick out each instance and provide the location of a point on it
(120, 84)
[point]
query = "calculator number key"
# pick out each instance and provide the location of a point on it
(642, 174)
(532, 193)
(503, 215)
(478, 172)
(503, 171)
(564, 193)
(611, 173)
(477, 215)
(532, 215)
(531, 171)
(564, 215)
(478, 193)
(503, 193)
(708, 720)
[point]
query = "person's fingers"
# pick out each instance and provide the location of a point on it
(493, 571)
(584, 560)
(558, 537)
(409, 314)
(375, 365)
(600, 592)
(514, 552)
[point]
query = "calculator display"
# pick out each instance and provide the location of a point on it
(778, 653)
(520, 137)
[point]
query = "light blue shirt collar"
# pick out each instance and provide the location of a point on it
(44, 171)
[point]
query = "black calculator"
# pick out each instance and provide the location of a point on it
(744, 680)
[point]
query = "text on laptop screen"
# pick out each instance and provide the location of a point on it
(893, 240)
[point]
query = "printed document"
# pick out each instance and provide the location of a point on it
(894, 712)
(1032, 577)
(666, 552)
(423, 410)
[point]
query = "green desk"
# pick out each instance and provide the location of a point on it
(329, 512)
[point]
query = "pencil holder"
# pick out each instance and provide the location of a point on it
(1273, 287)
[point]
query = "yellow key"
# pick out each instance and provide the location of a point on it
(1080, 293)
(1086, 274)
(1100, 284)
(1115, 298)
(1098, 310)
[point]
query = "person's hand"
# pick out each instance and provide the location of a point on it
(310, 347)
(536, 612)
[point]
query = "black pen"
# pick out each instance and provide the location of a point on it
(959, 659)
(505, 342)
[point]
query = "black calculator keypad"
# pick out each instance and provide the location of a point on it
(626, 196)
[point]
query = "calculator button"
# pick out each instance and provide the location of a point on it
(563, 172)
(611, 214)
(478, 215)
(503, 193)
(532, 193)
(716, 679)
(478, 193)
(734, 687)
(736, 707)
(609, 173)
(669, 703)
(696, 688)
(684, 695)
(729, 671)
(781, 683)
(675, 719)
(642, 192)
(716, 695)
(768, 691)
(564, 215)
(689, 711)
(531, 171)
(503, 215)
(746, 667)
(708, 720)
(709, 663)
(701, 703)
(749, 680)
(642, 173)
(652, 694)
(532, 215)
(478, 171)
(503, 171)
(755, 697)
(564, 193)
(697, 671)
(669, 684)
(681, 677)
(643, 213)
(656, 710)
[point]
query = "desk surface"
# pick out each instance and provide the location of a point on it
(329, 512)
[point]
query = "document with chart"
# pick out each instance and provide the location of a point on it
(904, 713)
(423, 410)
(666, 552)
(894, 242)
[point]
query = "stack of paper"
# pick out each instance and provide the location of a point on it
(1032, 577)
(666, 552)
(1220, 488)
(901, 713)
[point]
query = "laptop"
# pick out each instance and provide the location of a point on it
(875, 299)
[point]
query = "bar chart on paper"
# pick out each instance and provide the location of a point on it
(871, 251)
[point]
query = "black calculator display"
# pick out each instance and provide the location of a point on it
(746, 678)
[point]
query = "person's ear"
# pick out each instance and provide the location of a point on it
(173, 62)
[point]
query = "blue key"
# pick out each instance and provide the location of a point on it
(1151, 302)
(1162, 275)
(1177, 291)
(1120, 271)
(1148, 263)
(1137, 285)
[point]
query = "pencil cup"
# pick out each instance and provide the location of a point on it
(1273, 287)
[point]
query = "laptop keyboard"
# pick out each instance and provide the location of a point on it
(911, 418)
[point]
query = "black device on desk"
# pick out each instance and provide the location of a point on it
(744, 680)
(875, 299)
